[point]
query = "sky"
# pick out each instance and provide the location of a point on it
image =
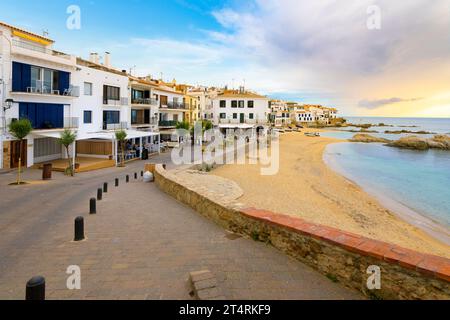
(391, 60)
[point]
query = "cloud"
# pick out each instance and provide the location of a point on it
(374, 104)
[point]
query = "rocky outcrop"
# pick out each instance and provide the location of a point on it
(418, 143)
(407, 131)
(367, 138)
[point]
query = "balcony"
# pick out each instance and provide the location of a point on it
(71, 123)
(138, 124)
(148, 102)
(174, 106)
(246, 121)
(115, 103)
(40, 89)
(19, 47)
(168, 123)
(116, 126)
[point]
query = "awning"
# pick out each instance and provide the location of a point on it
(101, 135)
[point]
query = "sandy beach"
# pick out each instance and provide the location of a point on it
(306, 187)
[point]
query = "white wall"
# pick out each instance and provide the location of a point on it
(260, 108)
(94, 103)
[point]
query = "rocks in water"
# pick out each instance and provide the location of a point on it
(367, 138)
(418, 143)
(407, 131)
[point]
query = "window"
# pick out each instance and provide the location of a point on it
(111, 117)
(44, 80)
(251, 116)
(234, 115)
(223, 116)
(87, 116)
(88, 89)
(250, 104)
(241, 104)
(234, 104)
(111, 93)
(223, 103)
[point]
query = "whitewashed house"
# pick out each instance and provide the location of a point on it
(36, 83)
(240, 109)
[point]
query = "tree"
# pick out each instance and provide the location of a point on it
(19, 129)
(183, 125)
(207, 125)
(66, 139)
(121, 136)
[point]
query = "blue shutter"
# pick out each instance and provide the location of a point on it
(26, 77)
(64, 81)
(58, 111)
(17, 77)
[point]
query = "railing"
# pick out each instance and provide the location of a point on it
(168, 123)
(246, 120)
(174, 105)
(152, 102)
(71, 123)
(110, 102)
(40, 88)
(41, 49)
(150, 123)
(116, 126)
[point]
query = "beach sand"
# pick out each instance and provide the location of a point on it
(306, 187)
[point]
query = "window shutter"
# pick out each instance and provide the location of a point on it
(64, 81)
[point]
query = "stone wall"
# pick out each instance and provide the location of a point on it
(341, 256)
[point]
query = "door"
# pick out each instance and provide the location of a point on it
(242, 118)
(15, 153)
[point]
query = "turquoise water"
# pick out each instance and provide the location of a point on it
(416, 180)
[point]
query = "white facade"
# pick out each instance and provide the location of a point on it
(91, 81)
(171, 106)
(240, 108)
(39, 88)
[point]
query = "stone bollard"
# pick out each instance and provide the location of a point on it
(99, 194)
(92, 206)
(35, 289)
(79, 229)
(105, 187)
(117, 182)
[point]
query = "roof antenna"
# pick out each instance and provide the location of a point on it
(45, 33)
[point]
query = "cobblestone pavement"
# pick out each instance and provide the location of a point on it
(141, 244)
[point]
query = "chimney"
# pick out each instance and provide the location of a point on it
(107, 60)
(93, 57)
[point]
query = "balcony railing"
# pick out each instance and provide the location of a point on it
(174, 105)
(71, 123)
(116, 126)
(168, 123)
(246, 120)
(150, 102)
(40, 88)
(117, 103)
(150, 123)
(36, 48)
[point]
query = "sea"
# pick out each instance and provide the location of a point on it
(413, 184)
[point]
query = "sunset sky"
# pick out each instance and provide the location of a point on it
(307, 51)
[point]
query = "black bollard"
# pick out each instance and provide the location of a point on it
(99, 194)
(35, 289)
(117, 182)
(135, 176)
(105, 187)
(79, 229)
(92, 206)
(142, 173)
(127, 178)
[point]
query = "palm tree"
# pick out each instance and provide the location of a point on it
(19, 129)
(66, 139)
(121, 136)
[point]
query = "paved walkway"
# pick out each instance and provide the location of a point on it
(141, 245)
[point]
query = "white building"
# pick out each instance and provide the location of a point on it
(40, 82)
(279, 115)
(239, 109)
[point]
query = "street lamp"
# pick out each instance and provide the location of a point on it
(8, 104)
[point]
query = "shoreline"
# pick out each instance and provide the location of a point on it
(403, 211)
(307, 187)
